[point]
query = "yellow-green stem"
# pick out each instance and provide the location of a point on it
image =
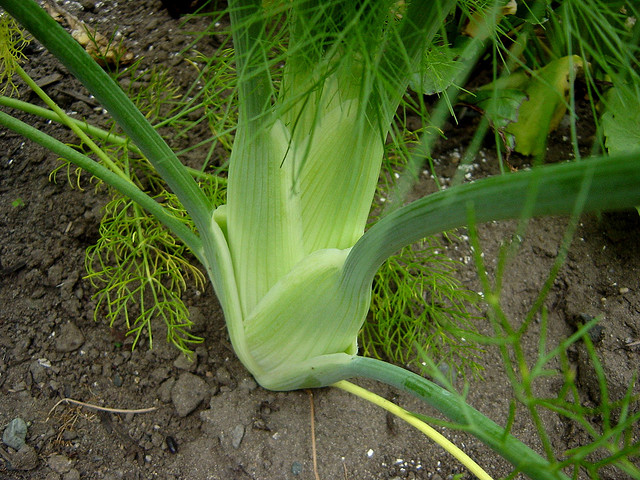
(69, 122)
(401, 413)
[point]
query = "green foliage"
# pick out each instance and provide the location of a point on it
(418, 301)
(139, 268)
(141, 271)
(621, 120)
(348, 64)
(220, 97)
(12, 41)
(610, 424)
(440, 68)
(546, 103)
(500, 107)
(600, 38)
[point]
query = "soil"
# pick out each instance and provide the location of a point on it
(210, 419)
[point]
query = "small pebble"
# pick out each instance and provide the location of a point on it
(69, 338)
(15, 434)
(38, 371)
(59, 463)
(164, 391)
(624, 290)
(117, 380)
(223, 376)
(160, 374)
(236, 435)
(187, 393)
(296, 468)
(183, 362)
(69, 435)
(72, 474)
(248, 384)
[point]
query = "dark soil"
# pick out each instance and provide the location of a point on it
(51, 348)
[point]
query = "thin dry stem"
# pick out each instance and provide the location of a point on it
(313, 436)
(103, 409)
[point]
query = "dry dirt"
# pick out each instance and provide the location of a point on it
(50, 347)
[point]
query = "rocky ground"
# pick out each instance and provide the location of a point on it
(208, 419)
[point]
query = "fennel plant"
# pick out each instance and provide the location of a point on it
(288, 255)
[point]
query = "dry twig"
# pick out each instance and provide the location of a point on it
(102, 409)
(313, 436)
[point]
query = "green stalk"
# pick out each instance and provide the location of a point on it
(108, 93)
(50, 115)
(92, 130)
(414, 421)
(66, 120)
(125, 187)
(522, 457)
(608, 183)
(255, 86)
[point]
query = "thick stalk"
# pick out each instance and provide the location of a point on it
(107, 137)
(605, 183)
(417, 423)
(254, 80)
(125, 187)
(522, 457)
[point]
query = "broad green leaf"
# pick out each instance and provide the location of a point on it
(523, 108)
(547, 93)
(621, 121)
(501, 108)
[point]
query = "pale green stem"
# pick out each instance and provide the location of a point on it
(457, 410)
(49, 115)
(66, 120)
(412, 420)
(93, 130)
(127, 188)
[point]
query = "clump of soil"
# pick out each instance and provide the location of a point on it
(208, 418)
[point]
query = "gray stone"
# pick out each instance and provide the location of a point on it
(24, 459)
(59, 463)
(223, 376)
(54, 274)
(69, 338)
(159, 374)
(15, 434)
(187, 393)
(69, 435)
(72, 474)
(248, 384)
(237, 435)
(198, 319)
(39, 370)
(209, 425)
(117, 380)
(186, 363)
(164, 391)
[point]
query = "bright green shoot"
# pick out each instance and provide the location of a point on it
(288, 255)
